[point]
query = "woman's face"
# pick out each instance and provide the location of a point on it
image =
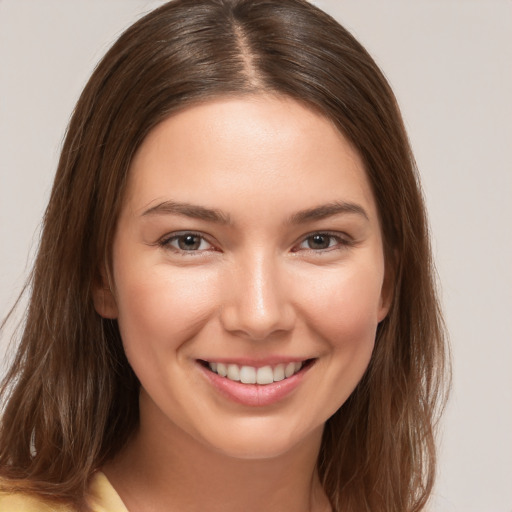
(248, 244)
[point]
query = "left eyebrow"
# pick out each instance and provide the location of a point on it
(188, 210)
(327, 210)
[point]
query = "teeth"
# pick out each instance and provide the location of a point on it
(252, 375)
(289, 370)
(222, 370)
(279, 373)
(233, 372)
(248, 375)
(265, 375)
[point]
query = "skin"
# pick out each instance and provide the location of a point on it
(255, 286)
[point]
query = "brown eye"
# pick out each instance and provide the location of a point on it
(189, 242)
(186, 242)
(319, 241)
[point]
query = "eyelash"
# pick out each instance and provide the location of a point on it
(175, 237)
(340, 243)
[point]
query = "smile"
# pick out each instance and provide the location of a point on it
(256, 386)
(253, 375)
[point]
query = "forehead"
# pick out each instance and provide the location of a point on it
(263, 148)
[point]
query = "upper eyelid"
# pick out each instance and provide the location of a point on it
(342, 236)
(334, 234)
(177, 234)
(184, 232)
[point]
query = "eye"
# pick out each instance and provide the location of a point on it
(187, 242)
(319, 241)
(322, 242)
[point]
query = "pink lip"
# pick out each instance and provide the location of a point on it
(255, 395)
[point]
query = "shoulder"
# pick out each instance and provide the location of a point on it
(22, 503)
(101, 498)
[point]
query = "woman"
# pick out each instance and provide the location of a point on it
(232, 305)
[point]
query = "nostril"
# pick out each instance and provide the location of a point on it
(258, 324)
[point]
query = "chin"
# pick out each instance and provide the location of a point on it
(260, 442)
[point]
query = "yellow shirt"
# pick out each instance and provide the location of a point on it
(101, 498)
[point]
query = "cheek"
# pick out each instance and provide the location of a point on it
(345, 307)
(162, 310)
(341, 312)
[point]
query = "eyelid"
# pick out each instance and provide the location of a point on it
(344, 241)
(165, 242)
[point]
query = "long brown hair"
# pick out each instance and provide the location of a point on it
(71, 398)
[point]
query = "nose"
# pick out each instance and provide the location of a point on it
(258, 302)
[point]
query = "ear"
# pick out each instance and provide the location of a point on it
(103, 297)
(388, 286)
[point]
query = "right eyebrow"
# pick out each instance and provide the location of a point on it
(188, 210)
(328, 210)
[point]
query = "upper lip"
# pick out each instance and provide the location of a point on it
(256, 363)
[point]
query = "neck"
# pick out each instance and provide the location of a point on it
(170, 470)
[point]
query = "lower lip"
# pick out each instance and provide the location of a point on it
(255, 395)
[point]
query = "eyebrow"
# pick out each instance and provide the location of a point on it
(327, 210)
(189, 210)
(213, 215)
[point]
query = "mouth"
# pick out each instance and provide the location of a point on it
(262, 375)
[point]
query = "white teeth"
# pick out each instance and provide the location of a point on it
(251, 375)
(279, 372)
(289, 370)
(265, 375)
(233, 372)
(222, 370)
(248, 375)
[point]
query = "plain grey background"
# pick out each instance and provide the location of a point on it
(450, 64)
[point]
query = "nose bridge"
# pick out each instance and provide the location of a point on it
(258, 303)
